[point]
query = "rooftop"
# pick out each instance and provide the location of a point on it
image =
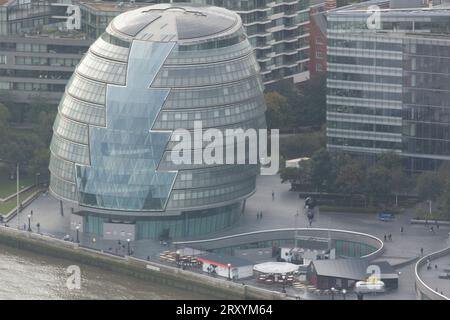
(386, 7)
(111, 6)
(167, 22)
(354, 269)
(223, 261)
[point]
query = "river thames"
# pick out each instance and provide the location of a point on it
(25, 275)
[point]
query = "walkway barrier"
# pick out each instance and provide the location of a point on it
(423, 291)
(139, 268)
(288, 233)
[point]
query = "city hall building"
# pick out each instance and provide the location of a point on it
(388, 84)
(154, 70)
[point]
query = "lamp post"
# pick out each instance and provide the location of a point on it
(17, 195)
(37, 178)
(128, 241)
(332, 293)
(229, 271)
(344, 292)
(29, 223)
(78, 231)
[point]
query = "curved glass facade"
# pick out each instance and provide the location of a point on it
(110, 152)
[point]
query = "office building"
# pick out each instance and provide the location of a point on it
(155, 70)
(279, 32)
(42, 41)
(388, 88)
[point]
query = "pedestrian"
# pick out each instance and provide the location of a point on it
(24, 226)
(432, 229)
(385, 237)
(31, 213)
(421, 252)
(390, 237)
(260, 215)
(435, 266)
(401, 230)
(273, 195)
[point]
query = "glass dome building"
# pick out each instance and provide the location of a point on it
(154, 70)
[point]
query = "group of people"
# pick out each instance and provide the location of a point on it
(259, 215)
(388, 237)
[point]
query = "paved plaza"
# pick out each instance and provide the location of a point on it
(440, 266)
(281, 212)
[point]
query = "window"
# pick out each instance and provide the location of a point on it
(319, 67)
(2, 59)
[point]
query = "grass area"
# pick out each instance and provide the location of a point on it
(6, 207)
(362, 210)
(8, 187)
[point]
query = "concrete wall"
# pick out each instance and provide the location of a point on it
(289, 233)
(423, 291)
(151, 271)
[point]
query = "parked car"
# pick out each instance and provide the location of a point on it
(386, 216)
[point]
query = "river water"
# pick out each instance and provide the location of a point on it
(25, 275)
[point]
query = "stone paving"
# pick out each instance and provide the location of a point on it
(431, 276)
(281, 212)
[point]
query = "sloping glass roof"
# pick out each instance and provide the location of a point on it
(180, 21)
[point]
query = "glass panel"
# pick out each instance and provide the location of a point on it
(125, 154)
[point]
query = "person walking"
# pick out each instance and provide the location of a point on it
(390, 237)
(421, 252)
(385, 238)
(273, 195)
(401, 230)
(260, 215)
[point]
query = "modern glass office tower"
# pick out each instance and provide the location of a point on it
(388, 88)
(279, 32)
(156, 69)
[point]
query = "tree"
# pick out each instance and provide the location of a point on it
(277, 110)
(298, 176)
(350, 177)
(4, 118)
(302, 145)
(429, 185)
(313, 102)
(389, 160)
(322, 170)
(378, 184)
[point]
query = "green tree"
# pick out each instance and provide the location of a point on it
(4, 118)
(277, 110)
(312, 103)
(378, 184)
(389, 160)
(302, 145)
(429, 185)
(322, 170)
(350, 177)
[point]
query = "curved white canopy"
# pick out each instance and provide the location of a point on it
(275, 267)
